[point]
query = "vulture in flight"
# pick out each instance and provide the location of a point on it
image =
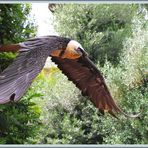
(70, 58)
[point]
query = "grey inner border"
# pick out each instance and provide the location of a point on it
(80, 2)
(77, 1)
(73, 146)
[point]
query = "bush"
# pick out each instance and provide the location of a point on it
(15, 27)
(19, 121)
(100, 28)
(72, 119)
(15, 24)
(128, 81)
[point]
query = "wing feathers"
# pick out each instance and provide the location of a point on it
(84, 74)
(15, 79)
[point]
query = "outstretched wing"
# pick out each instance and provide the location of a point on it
(84, 74)
(15, 79)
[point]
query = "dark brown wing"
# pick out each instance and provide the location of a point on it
(84, 74)
(15, 79)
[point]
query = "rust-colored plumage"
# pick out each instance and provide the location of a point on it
(9, 48)
(70, 58)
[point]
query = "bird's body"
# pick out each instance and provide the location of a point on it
(70, 57)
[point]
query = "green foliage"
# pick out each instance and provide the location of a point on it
(66, 114)
(128, 81)
(78, 122)
(18, 121)
(100, 28)
(53, 110)
(14, 23)
(15, 26)
(5, 60)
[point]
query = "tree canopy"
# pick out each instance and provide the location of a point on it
(14, 23)
(15, 27)
(101, 28)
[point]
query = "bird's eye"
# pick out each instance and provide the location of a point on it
(78, 49)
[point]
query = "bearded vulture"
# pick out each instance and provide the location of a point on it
(70, 58)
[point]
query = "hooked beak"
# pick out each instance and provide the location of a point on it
(84, 53)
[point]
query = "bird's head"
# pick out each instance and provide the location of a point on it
(75, 47)
(73, 50)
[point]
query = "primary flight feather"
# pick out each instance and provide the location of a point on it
(71, 59)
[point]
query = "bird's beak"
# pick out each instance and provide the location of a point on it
(84, 53)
